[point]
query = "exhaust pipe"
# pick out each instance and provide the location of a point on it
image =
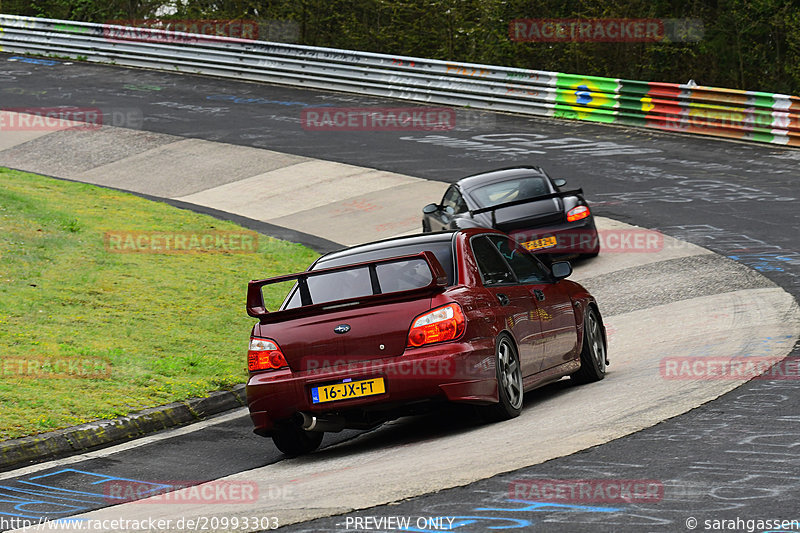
(333, 424)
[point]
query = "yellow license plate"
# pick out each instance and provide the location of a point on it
(347, 390)
(538, 244)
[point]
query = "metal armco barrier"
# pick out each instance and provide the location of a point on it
(746, 115)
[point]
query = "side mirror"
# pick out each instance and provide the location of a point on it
(430, 209)
(560, 182)
(561, 269)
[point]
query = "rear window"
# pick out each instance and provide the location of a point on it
(391, 277)
(336, 286)
(510, 190)
(404, 275)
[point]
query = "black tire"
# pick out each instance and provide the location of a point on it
(293, 440)
(593, 351)
(426, 227)
(509, 383)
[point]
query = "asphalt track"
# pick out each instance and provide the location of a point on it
(730, 458)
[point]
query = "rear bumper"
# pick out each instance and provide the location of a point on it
(455, 372)
(572, 238)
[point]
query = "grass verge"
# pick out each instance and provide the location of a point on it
(87, 332)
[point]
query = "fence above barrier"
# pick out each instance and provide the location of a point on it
(745, 115)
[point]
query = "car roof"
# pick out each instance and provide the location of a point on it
(494, 176)
(421, 238)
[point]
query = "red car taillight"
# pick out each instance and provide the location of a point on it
(578, 213)
(441, 324)
(264, 354)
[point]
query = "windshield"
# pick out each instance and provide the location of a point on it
(510, 190)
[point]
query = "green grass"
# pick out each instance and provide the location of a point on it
(172, 326)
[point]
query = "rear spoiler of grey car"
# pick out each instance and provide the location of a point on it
(492, 209)
(255, 297)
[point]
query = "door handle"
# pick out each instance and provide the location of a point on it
(539, 294)
(503, 299)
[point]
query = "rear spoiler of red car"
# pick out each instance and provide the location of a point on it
(492, 209)
(257, 309)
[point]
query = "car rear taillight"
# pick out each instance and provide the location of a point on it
(578, 213)
(264, 354)
(439, 325)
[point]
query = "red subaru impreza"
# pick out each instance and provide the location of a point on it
(390, 328)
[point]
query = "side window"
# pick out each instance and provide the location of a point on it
(527, 268)
(461, 205)
(493, 269)
(454, 200)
